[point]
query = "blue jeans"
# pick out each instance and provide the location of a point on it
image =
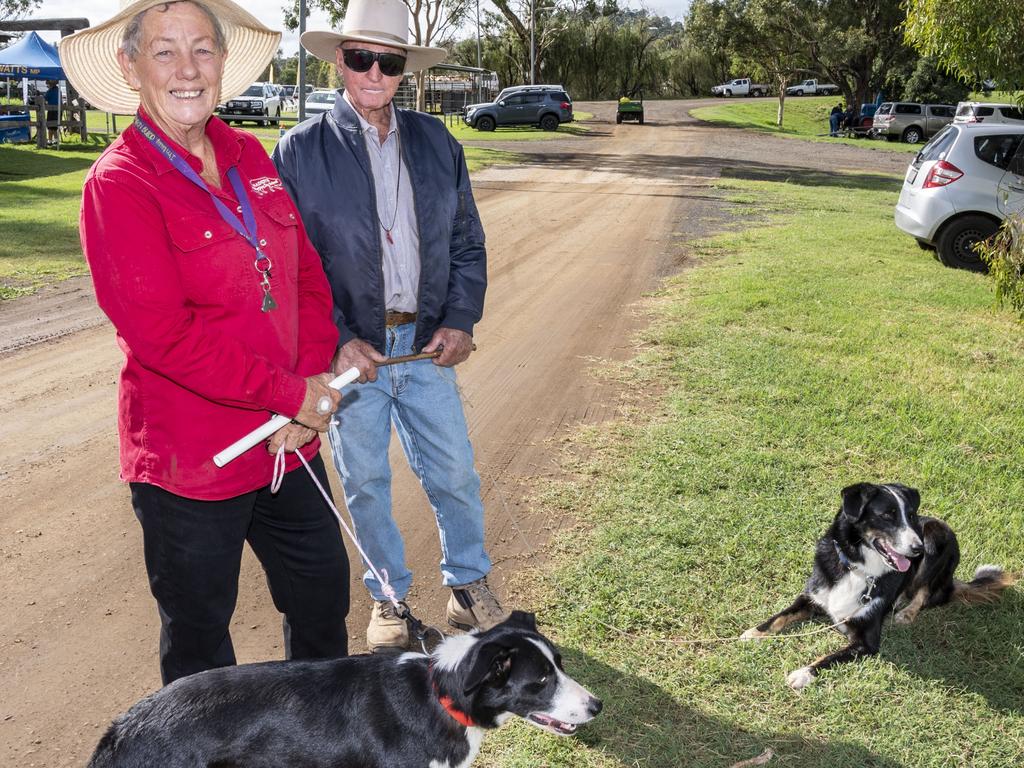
(422, 399)
(833, 123)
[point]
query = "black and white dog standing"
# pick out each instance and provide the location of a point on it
(373, 711)
(879, 551)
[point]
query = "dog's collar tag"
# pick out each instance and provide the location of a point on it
(866, 597)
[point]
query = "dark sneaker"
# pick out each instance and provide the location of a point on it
(474, 606)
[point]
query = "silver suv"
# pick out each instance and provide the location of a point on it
(260, 102)
(909, 121)
(545, 106)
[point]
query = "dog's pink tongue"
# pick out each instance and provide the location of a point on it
(901, 563)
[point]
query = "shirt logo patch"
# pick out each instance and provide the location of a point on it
(265, 185)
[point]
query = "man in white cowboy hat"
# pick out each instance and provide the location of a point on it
(386, 198)
(182, 217)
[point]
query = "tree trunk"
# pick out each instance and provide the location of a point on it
(421, 93)
(782, 102)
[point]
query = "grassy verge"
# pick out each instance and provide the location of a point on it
(810, 351)
(40, 194)
(805, 118)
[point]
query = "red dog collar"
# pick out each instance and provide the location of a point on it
(449, 706)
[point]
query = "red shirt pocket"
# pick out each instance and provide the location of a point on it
(214, 261)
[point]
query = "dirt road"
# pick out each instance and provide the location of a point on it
(576, 233)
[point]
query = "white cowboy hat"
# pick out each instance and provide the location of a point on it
(89, 57)
(382, 22)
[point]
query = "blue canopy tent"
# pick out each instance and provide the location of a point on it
(31, 57)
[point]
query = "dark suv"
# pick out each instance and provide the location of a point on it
(546, 107)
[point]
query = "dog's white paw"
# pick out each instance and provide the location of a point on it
(752, 634)
(904, 617)
(799, 679)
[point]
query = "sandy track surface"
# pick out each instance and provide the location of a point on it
(576, 233)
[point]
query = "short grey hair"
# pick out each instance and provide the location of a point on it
(131, 41)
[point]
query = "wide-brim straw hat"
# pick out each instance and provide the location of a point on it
(382, 22)
(89, 57)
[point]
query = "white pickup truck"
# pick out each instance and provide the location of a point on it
(741, 87)
(812, 88)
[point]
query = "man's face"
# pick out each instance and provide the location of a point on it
(178, 68)
(370, 90)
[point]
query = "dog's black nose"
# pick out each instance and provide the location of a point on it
(916, 550)
(594, 707)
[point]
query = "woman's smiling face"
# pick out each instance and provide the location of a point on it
(177, 70)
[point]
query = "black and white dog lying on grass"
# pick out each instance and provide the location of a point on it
(877, 552)
(373, 711)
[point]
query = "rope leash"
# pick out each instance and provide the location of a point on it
(275, 485)
(420, 631)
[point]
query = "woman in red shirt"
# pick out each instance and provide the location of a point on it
(223, 312)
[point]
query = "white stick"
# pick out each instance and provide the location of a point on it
(260, 434)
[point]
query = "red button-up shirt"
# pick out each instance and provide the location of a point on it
(203, 364)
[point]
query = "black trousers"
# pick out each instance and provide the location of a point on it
(193, 552)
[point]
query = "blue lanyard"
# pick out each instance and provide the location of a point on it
(246, 228)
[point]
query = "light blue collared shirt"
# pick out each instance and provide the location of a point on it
(396, 212)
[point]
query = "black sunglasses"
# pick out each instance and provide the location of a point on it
(359, 60)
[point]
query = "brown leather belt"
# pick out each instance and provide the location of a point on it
(392, 319)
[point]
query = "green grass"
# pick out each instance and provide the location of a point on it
(804, 118)
(810, 351)
(40, 195)
(100, 122)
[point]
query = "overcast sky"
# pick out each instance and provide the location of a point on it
(269, 12)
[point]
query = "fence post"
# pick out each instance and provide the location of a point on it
(40, 106)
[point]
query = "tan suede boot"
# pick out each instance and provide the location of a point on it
(386, 630)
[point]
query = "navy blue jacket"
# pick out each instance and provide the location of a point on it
(325, 167)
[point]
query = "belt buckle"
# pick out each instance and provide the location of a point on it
(393, 318)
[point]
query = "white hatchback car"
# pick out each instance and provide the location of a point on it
(960, 187)
(319, 102)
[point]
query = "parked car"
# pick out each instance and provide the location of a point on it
(516, 88)
(547, 107)
(909, 121)
(865, 119)
(982, 112)
(290, 91)
(320, 101)
(740, 87)
(959, 188)
(812, 88)
(260, 102)
(505, 92)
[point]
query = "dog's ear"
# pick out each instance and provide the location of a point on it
(490, 665)
(856, 498)
(523, 620)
